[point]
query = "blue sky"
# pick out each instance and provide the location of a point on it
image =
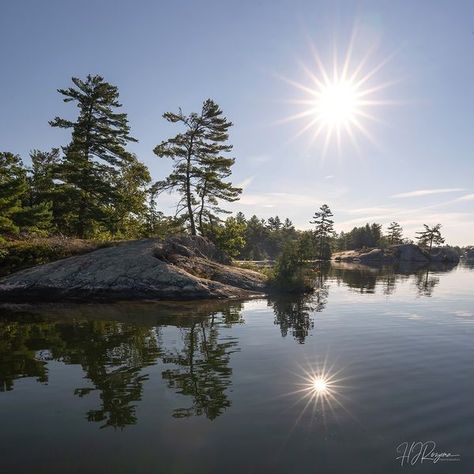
(418, 167)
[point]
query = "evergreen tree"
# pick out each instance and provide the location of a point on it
(13, 187)
(430, 236)
(230, 236)
(128, 212)
(256, 235)
(96, 153)
(395, 233)
(274, 223)
(369, 235)
(324, 230)
(308, 247)
(44, 168)
(288, 225)
(199, 164)
(43, 187)
(17, 212)
(240, 217)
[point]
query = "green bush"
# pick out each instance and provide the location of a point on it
(290, 274)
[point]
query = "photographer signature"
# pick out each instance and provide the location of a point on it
(422, 451)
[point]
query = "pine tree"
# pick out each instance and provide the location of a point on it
(199, 166)
(96, 152)
(430, 236)
(127, 214)
(13, 187)
(274, 223)
(395, 233)
(17, 212)
(43, 187)
(324, 229)
(376, 235)
(288, 225)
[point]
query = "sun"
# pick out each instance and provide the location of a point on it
(338, 99)
(337, 103)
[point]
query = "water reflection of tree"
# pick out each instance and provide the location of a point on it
(321, 289)
(113, 355)
(389, 281)
(202, 365)
(293, 312)
(365, 279)
(24, 351)
(357, 277)
(426, 282)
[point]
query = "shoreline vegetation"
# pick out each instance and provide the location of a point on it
(184, 268)
(93, 194)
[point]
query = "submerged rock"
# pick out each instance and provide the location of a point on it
(180, 268)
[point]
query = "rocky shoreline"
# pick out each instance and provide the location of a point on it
(179, 268)
(396, 254)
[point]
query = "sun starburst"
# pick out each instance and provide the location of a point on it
(319, 389)
(338, 99)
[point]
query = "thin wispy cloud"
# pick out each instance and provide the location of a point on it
(426, 192)
(467, 197)
(372, 210)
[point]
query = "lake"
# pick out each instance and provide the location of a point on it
(334, 382)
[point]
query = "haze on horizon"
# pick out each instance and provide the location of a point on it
(408, 159)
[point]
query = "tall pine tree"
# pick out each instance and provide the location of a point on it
(324, 229)
(96, 153)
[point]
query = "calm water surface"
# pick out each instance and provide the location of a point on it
(229, 387)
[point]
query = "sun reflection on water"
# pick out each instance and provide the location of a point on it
(319, 390)
(320, 385)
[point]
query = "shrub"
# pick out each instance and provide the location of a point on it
(290, 274)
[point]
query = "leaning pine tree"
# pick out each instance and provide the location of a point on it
(200, 166)
(430, 236)
(96, 154)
